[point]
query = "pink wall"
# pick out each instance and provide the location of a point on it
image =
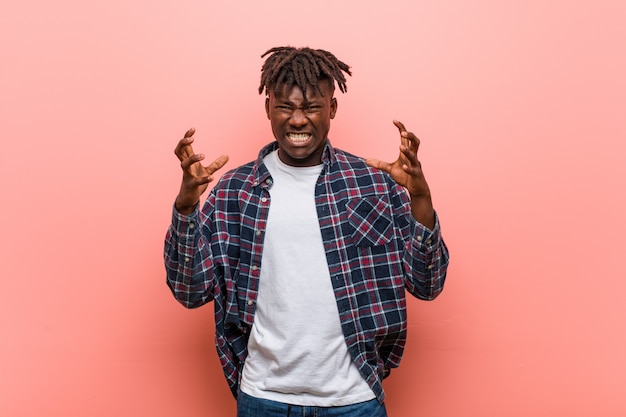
(521, 107)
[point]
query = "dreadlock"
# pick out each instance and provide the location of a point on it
(301, 67)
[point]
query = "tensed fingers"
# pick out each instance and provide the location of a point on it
(189, 161)
(183, 148)
(217, 164)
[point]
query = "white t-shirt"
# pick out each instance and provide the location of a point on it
(297, 353)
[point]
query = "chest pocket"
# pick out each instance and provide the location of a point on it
(371, 220)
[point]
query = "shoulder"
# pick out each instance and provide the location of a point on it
(351, 174)
(236, 178)
(348, 164)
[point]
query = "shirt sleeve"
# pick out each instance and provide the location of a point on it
(426, 256)
(188, 258)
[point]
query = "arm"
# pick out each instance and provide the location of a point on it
(426, 255)
(188, 257)
(426, 261)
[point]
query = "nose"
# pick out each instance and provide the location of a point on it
(298, 118)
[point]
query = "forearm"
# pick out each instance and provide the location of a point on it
(426, 258)
(423, 211)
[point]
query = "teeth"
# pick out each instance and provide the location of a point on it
(298, 137)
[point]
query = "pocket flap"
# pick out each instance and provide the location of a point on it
(372, 222)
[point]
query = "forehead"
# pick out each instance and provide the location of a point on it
(295, 92)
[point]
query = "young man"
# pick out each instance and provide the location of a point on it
(306, 252)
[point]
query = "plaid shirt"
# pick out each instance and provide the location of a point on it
(374, 247)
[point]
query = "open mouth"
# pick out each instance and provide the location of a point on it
(299, 138)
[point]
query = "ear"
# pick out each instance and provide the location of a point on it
(267, 107)
(333, 107)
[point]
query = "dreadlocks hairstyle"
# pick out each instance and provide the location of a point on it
(302, 67)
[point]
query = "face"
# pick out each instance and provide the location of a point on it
(300, 124)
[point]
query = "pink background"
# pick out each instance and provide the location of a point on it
(521, 108)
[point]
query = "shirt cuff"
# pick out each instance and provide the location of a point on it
(184, 224)
(427, 240)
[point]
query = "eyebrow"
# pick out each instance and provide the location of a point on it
(314, 102)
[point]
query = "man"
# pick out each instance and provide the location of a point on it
(306, 252)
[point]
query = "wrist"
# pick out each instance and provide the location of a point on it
(423, 211)
(185, 209)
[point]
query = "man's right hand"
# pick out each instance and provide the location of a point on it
(196, 177)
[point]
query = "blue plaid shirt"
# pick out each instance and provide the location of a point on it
(374, 247)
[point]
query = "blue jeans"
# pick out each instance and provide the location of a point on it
(248, 406)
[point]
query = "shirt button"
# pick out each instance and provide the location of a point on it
(254, 267)
(254, 184)
(186, 259)
(191, 225)
(428, 242)
(263, 200)
(258, 233)
(419, 238)
(250, 302)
